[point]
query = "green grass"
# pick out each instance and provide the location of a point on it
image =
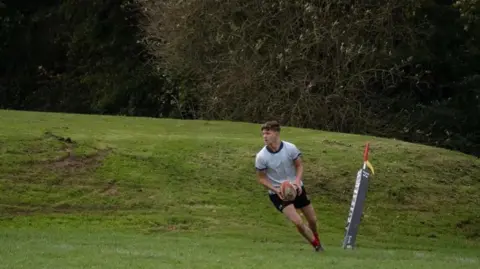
(28, 248)
(162, 193)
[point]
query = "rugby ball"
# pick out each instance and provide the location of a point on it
(288, 191)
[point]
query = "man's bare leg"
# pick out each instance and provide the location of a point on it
(311, 217)
(291, 213)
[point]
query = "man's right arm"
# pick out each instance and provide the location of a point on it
(261, 175)
(262, 179)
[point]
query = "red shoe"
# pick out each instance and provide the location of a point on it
(317, 244)
(319, 248)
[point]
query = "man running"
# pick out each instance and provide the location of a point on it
(276, 162)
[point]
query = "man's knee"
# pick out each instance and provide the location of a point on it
(309, 214)
(297, 222)
(293, 216)
(312, 219)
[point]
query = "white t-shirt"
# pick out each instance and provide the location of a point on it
(279, 166)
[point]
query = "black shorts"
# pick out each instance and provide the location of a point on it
(299, 202)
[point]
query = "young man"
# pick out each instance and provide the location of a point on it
(276, 162)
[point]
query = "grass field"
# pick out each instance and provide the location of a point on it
(79, 191)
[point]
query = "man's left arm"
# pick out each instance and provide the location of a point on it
(296, 157)
(299, 172)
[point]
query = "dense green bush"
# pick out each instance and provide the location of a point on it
(396, 68)
(78, 56)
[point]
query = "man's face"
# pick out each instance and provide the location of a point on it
(269, 136)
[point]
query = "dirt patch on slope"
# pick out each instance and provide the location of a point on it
(71, 162)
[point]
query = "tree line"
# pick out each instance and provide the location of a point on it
(394, 68)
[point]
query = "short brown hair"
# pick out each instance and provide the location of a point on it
(271, 126)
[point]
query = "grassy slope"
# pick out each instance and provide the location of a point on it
(197, 178)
